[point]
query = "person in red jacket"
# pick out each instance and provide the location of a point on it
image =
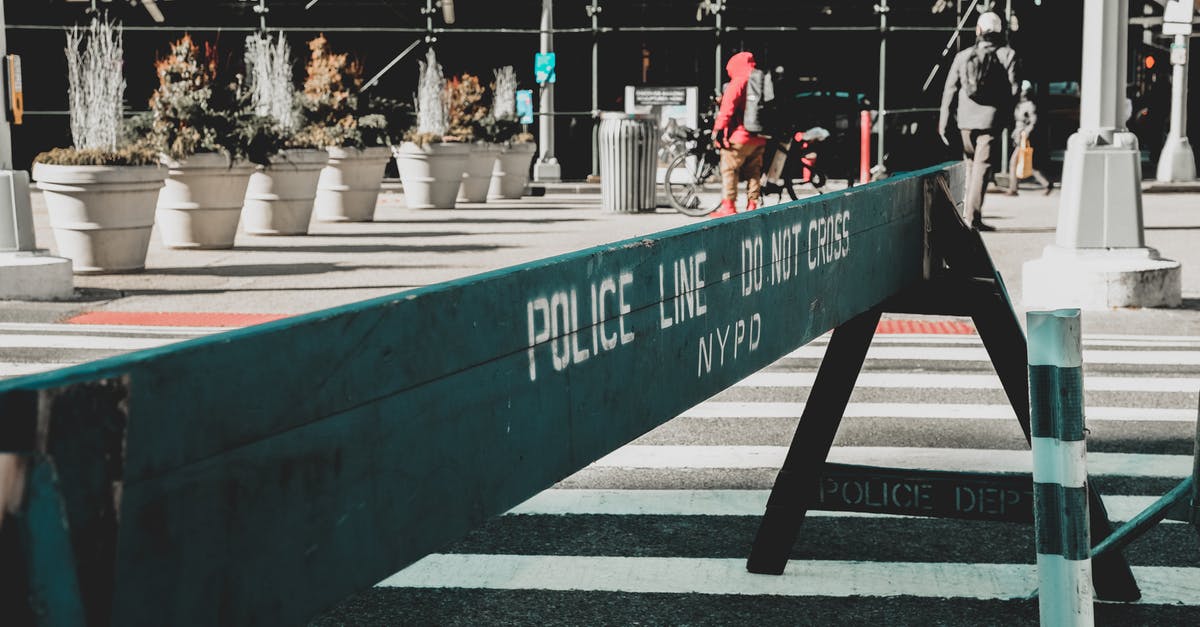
(741, 151)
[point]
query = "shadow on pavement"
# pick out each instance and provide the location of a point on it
(375, 248)
(268, 269)
(395, 234)
(482, 221)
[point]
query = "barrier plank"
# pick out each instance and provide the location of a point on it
(271, 471)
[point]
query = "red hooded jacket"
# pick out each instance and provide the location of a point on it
(733, 101)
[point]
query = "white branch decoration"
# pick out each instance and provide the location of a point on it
(504, 98)
(96, 84)
(433, 108)
(269, 72)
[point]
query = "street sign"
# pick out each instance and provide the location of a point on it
(543, 68)
(525, 106)
(659, 96)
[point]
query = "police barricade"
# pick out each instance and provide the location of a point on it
(261, 475)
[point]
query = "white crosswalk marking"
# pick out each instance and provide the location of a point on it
(937, 353)
(561, 502)
(683, 456)
(729, 576)
(929, 380)
(717, 409)
(31, 348)
(906, 382)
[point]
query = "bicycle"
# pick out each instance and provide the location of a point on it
(699, 163)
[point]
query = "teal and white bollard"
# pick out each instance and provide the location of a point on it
(1060, 498)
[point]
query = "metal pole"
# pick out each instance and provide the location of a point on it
(6, 160)
(1004, 137)
(718, 60)
(1102, 84)
(1060, 494)
(882, 9)
(1177, 162)
(429, 37)
(546, 169)
(1179, 89)
(1194, 512)
(595, 15)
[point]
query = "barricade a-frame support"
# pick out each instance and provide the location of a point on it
(960, 280)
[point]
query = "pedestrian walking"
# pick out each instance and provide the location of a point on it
(741, 148)
(1025, 118)
(983, 79)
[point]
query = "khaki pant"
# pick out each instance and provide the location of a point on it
(977, 148)
(742, 162)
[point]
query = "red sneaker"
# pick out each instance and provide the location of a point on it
(726, 209)
(751, 205)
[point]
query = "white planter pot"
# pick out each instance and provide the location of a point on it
(101, 215)
(349, 184)
(279, 198)
(511, 172)
(431, 174)
(478, 177)
(201, 202)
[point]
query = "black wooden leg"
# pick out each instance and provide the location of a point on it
(796, 486)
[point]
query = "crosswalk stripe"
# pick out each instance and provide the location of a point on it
(102, 329)
(928, 353)
(17, 369)
(575, 502)
(1160, 585)
(969, 381)
(968, 411)
(954, 459)
(1088, 341)
(83, 342)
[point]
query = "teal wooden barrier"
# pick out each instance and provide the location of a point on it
(261, 475)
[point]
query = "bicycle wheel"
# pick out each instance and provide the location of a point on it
(684, 183)
(816, 179)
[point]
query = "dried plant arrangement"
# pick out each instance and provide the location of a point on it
(431, 106)
(269, 80)
(96, 89)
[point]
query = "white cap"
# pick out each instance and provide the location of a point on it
(989, 23)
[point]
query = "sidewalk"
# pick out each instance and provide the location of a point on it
(342, 263)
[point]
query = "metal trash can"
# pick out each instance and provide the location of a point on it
(628, 144)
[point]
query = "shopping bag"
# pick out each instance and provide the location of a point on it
(1024, 159)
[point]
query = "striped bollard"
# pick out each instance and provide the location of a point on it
(1060, 502)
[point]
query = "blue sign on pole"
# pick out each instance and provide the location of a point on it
(525, 106)
(543, 67)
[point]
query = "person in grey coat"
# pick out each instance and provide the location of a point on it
(985, 106)
(1025, 118)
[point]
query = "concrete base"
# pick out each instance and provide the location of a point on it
(547, 171)
(1177, 163)
(35, 276)
(1101, 202)
(1100, 279)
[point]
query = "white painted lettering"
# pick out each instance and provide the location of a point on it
(624, 307)
(578, 355)
(664, 321)
(535, 337)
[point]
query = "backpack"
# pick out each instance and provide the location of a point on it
(986, 79)
(760, 90)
